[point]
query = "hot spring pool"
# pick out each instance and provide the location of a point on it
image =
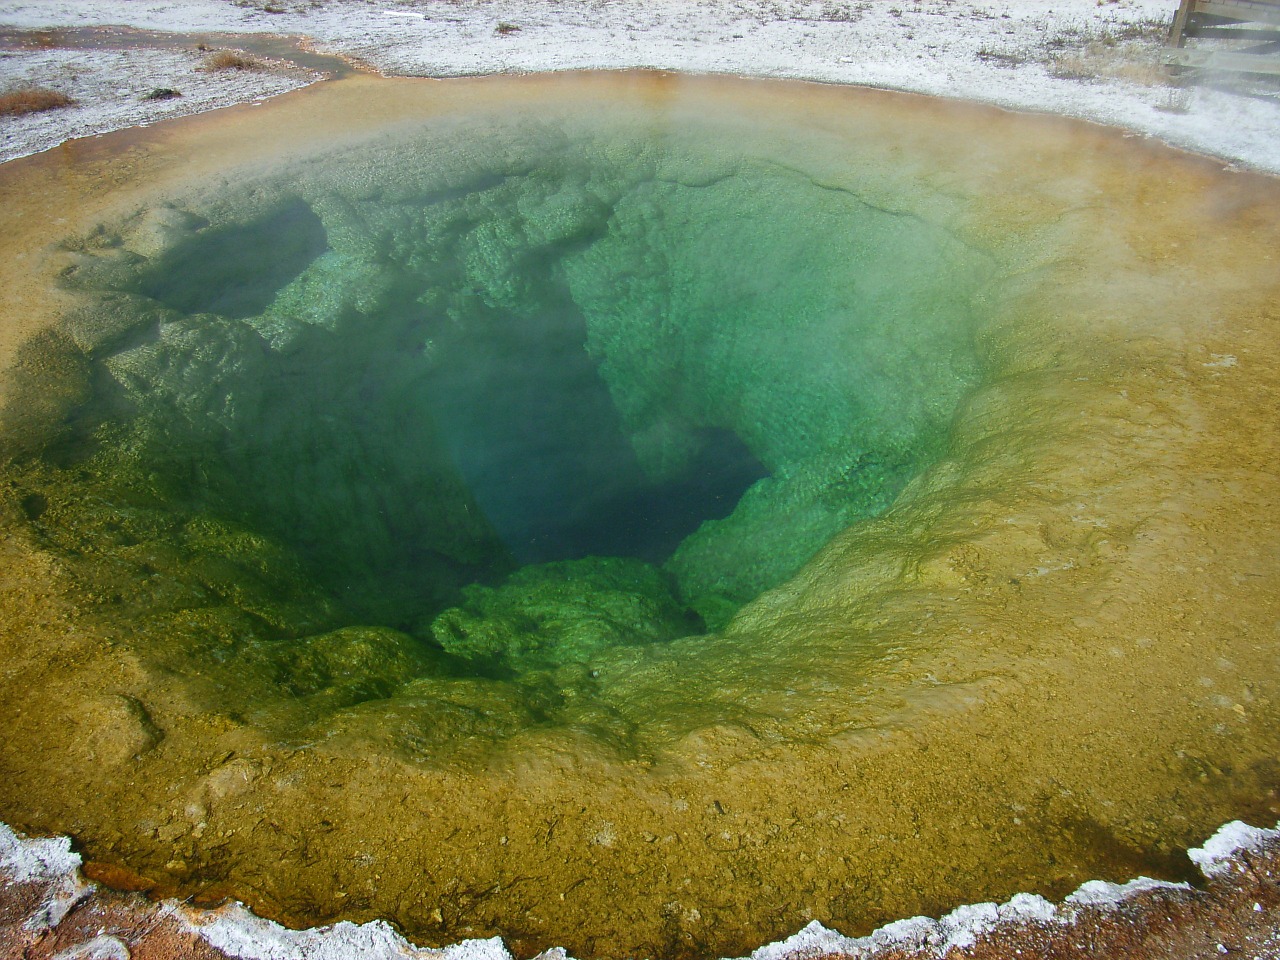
(635, 513)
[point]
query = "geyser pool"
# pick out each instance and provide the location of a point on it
(655, 370)
(638, 528)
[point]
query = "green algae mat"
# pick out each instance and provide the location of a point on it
(634, 513)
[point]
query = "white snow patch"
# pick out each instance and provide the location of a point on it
(195, 15)
(47, 861)
(960, 929)
(964, 925)
(36, 861)
(1215, 858)
(912, 932)
(813, 941)
(1028, 908)
(1100, 893)
(99, 948)
(236, 931)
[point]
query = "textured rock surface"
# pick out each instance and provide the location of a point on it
(564, 613)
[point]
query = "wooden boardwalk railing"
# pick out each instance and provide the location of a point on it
(1237, 21)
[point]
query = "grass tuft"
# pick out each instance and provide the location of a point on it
(1008, 59)
(230, 60)
(15, 103)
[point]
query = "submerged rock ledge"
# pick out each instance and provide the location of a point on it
(49, 908)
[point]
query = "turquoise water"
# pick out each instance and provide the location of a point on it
(518, 392)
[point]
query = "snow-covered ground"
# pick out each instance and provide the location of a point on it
(116, 88)
(1092, 59)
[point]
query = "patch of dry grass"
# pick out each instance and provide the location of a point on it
(1128, 52)
(1131, 63)
(1010, 59)
(230, 60)
(15, 103)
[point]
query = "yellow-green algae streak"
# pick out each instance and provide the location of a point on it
(1051, 658)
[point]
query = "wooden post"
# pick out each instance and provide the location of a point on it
(1176, 39)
